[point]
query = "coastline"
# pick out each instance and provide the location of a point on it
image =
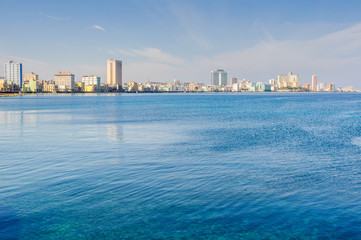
(168, 92)
(9, 94)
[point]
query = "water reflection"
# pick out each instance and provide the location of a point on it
(18, 121)
(115, 132)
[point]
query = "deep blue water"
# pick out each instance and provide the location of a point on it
(178, 166)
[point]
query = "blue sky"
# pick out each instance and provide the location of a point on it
(162, 40)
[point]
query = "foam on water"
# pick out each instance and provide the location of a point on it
(356, 141)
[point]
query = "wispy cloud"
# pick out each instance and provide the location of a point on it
(98, 27)
(150, 54)
(57, 18)
(157, 55)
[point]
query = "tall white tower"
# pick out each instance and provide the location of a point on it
(14, 72)
(114, 72)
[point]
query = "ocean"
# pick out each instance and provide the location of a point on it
(181, 166)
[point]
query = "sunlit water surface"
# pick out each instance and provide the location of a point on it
(178, 166)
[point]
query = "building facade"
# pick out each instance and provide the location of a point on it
(219, 77)
(92, 80)
(114, 72)
(314, 83)
(289, 81)
(29, 76)
(49, 86)
(13, 72)
(65, 82)
(234, 80)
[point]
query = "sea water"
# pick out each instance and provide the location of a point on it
(180, 166)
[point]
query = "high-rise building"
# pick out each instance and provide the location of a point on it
(114, 72)
(233, 80)
(14, 73)
(321, 87)
(330, 87)
(314, 83)
(219, 77)
(65, 82)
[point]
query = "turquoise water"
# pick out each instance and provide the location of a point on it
(178, 166)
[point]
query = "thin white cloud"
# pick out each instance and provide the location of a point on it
(121, 52)
(55, 17)
(157, 55)
(98, 27)
(150, 54)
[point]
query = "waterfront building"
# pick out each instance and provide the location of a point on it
(192, 87)
(90, 88)
(289, 81)
(32, 85)
(132, 87)
(92, 80)
(65, 82)
(235, 87)
(4, 87)
(314, 83)
(321, 87)
(245, 85)
(262, 87)
(233, 80)
(114, 73)
(79, 87)
(49, 86)
(348, 89)
(307, 86)
(29, 76)
(251, 87)
(330, 87)
(219, 77)
(14, 73)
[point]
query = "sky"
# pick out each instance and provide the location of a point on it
(162, 40)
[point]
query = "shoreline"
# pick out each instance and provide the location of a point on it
(172, 92)
(9, 94)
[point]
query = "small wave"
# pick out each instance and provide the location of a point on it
(356, 141)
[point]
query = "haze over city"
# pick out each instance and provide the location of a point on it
(162, 40)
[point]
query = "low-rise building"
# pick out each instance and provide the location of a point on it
(65, 82)
(92, 80)
(32, 85)
(27, 77)
(192, 87)
(49, 86)
(288, 81)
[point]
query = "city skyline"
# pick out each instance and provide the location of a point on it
(165, 40)
(65, 82)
